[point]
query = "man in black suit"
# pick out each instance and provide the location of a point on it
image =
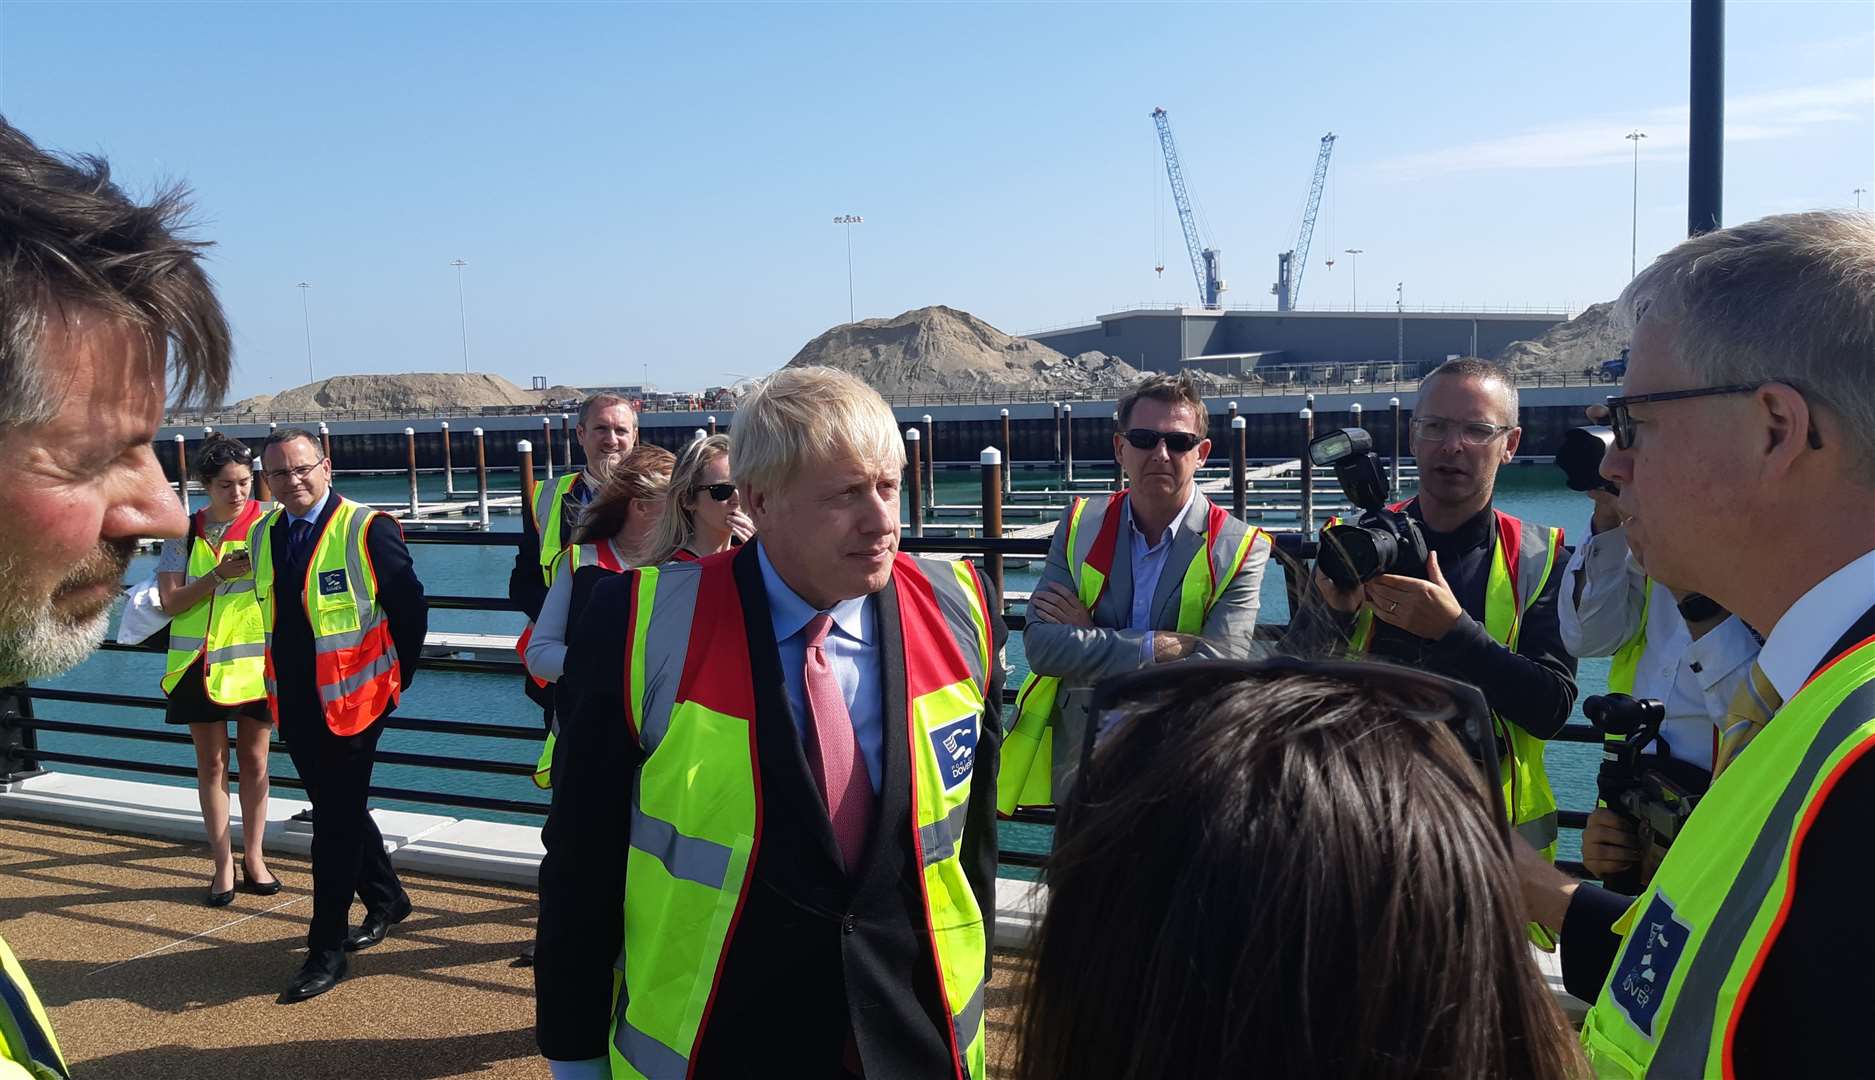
(831, 967)
(333, 743)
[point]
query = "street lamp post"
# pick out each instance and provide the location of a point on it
(306, 317)
(462, 313)
(1634, 226)
(1354, 284)
(1399, 303)
(849, 220)
(1859, 192)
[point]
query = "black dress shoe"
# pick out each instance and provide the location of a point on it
(258, 888)
(219, 899)
(320, 973)
(376, 926)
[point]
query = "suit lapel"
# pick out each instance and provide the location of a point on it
(1187, 539)
(1116, 604)
(894, 805)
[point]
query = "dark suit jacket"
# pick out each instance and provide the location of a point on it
(399, 593)
(814, 955)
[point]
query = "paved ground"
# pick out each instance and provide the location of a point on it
(145, 982)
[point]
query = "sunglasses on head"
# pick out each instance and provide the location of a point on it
(719, 492)
(1177, 442)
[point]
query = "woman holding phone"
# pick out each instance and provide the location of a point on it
(216, 669)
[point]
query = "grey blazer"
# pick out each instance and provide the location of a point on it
(1084, 656)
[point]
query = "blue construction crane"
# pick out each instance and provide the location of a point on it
(1206, 266)
(1290, 264)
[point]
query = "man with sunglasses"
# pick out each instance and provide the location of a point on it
(1153, 574)
(1486, 611)
(344, 617)
(1744, 439)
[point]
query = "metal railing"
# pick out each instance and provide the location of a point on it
(21, 756)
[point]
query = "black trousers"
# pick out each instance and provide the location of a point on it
(348, 855)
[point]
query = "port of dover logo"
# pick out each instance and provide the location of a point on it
(331, 582)
(1655, 946)
(955, 745)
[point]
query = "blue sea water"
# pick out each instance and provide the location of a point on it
(1534, 493)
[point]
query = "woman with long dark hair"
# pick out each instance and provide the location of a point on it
(215, 671)
(1266, 872)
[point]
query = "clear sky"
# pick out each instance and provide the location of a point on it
(652, 187)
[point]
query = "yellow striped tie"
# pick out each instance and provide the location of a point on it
(1751, 708)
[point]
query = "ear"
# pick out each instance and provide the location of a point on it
(1204, 452)
(1512, 439)
(1118, 441)
(755, 501)
(1787, 419)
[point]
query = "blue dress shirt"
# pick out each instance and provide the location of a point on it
(1149, 565)
(852, 650)
(313, 514)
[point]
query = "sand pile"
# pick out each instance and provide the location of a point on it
(940, 350)
(1576, 346)
(415, 393)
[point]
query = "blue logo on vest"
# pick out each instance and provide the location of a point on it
(331, 582)
(1656, 942)
(955, 745)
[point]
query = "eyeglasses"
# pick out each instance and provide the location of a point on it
(1435, 429)
(719, 492)
(1623, 423)
(280, 476)
(1434, 699)
(1176, 442)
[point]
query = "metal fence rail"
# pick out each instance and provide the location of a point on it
(21, 757)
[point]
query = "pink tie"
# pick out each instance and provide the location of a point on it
(838, 768)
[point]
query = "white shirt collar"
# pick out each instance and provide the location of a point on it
(1803, 635)
(1172, 527)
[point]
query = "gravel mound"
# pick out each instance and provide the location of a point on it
(1576, 346)
(415, 393)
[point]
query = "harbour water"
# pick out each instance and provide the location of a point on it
(1534, 493)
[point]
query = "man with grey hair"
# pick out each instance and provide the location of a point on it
(1744, 446)
(782, 771)
(99, 295)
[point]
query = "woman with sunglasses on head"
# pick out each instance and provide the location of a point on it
(1285, 869)
(702, 513)
(215, 673)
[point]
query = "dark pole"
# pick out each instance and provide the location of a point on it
(992, 462)
(712, 427)
(546, 444)
(325, 442)
(481, 476)
(182, 472)
(916, 463)
(1009, 456)
(449, 472)
(1705, 166)
(526, 450)
(410, 444)
(1308, 473)
(566, 444)
(930, 458)
(1067, 443)
(1394, 403)
(1238, 495)
(1057, 432)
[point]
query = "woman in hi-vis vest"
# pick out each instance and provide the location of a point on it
(702, 512)
(216, 667)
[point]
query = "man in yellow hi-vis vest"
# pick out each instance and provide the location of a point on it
(102, 294)
(1743, 438)
(772, 844)
(1152, 574)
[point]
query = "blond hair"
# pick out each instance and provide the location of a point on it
(643, 474)
(678, 527)
(1787, 299)
(803, 418)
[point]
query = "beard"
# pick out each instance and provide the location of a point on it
(40, 636)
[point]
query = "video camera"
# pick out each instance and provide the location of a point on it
(1382, 541)
(1655, 791)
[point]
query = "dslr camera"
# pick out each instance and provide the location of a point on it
(1653, 790)
(1381, 541)
(1580, 458)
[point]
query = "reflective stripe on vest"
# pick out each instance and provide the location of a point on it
(26, 1038)
(224, 628)
(354, 657)
(696, 816)
(1722, 894)
(1521, 563)
(1026, 772)
(583, 555)
(549, 506)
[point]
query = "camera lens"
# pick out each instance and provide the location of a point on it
(1351, 554)
(1580, 457)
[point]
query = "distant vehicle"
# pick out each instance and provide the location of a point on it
(1611, 370)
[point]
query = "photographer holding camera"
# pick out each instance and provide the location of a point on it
(1483, 607)
(1676, 649)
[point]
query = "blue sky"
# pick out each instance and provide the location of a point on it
(652, 187)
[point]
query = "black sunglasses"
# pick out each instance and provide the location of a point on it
(1622, 423)
(1177, 442)
(1459, 706)
(719, 492)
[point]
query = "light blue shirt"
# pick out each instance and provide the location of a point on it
(317, 509)
(852, 650)
(1149, 560)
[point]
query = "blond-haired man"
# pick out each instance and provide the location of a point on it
(782, 773)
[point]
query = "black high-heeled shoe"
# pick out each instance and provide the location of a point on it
(218, 899)
(258, 888)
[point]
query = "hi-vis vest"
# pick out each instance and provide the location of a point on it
(355, 660)
(600, 554)
(1026, 776)
(224, 629)
(1695, 940)
(1521, 563)
(1627, 661)
(696, 808)
(27, 1049)
(547, 512)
